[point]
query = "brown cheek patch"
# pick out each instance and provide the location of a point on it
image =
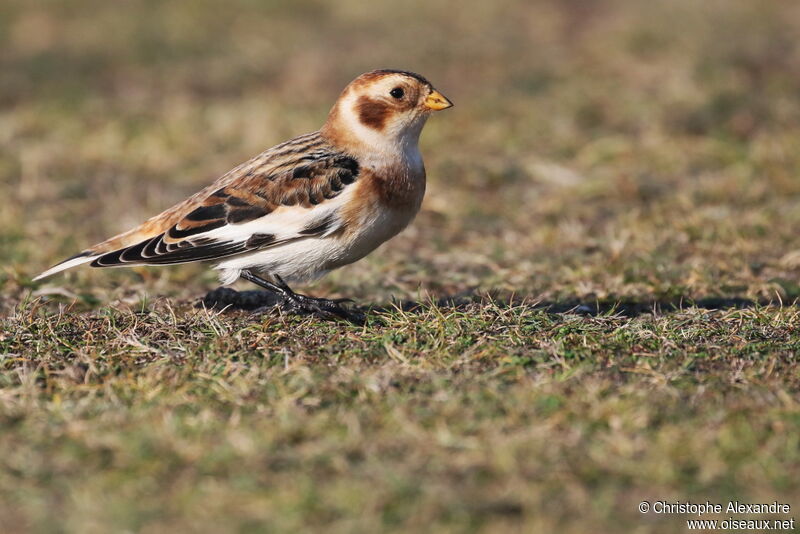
(372, 113)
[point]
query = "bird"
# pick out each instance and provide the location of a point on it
(304, 207)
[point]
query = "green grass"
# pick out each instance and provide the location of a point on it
(604, 271)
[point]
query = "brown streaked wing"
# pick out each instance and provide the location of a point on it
(304, 183)
(306, 180)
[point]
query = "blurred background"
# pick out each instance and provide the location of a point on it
(598, 149)
(609, 150)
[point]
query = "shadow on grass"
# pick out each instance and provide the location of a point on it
(230, 299)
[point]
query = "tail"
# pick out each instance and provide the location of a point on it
(69, 263)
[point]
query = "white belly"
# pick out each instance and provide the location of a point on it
(309, 258)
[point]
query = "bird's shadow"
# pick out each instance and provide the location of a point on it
(231, 300)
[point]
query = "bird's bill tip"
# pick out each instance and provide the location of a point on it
(437, 101)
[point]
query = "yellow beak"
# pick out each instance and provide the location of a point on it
(437, 101)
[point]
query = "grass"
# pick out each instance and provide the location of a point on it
(595, 307)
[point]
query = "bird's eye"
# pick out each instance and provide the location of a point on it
(397, 92)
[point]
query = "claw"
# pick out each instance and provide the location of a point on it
(291, 302)
(322, 308)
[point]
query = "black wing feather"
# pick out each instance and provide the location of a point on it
(305, 180)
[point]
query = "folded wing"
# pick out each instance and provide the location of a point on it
(292, 192)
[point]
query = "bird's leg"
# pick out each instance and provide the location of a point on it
(266, 284)
(302, 304)
(224, 297)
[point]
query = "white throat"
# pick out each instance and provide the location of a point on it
(396, 144)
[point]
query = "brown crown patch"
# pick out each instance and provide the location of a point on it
(380, 73)
(372, 113)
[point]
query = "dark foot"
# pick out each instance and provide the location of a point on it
(290, 302)
(319, 307)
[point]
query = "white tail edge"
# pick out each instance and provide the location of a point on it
(74, 261)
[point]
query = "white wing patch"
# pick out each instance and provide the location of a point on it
(285, 223)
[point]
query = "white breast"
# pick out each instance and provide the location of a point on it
(309, 258)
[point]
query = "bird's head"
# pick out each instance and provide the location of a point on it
(384, 107)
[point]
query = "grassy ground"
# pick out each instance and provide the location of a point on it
(604, 271)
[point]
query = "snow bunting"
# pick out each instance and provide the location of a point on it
(301, 208)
